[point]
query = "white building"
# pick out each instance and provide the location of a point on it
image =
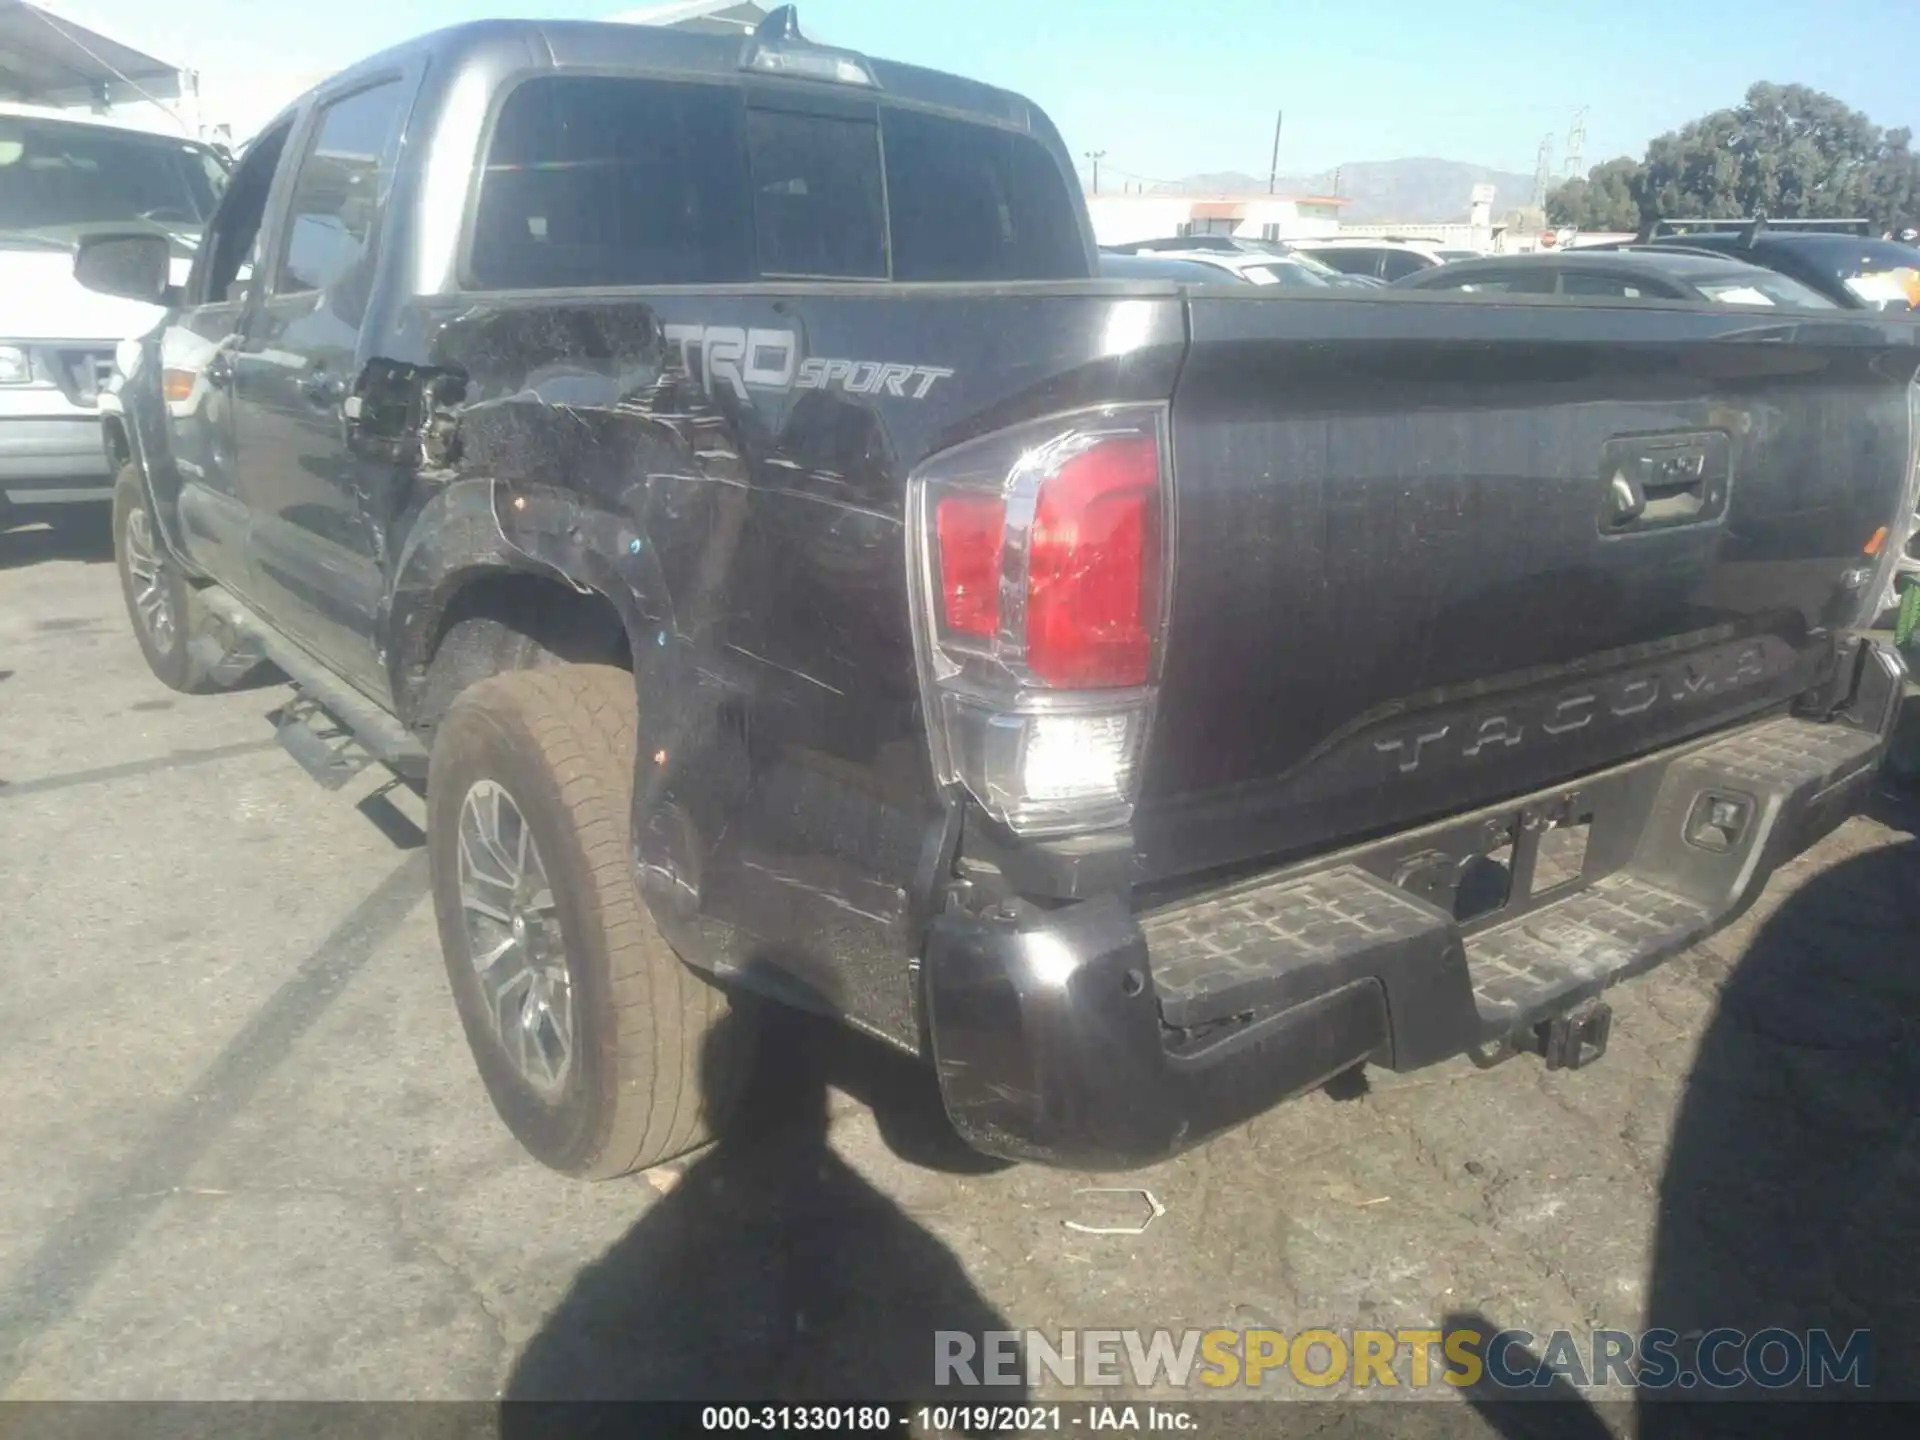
(1477, 232)
(1155, 215)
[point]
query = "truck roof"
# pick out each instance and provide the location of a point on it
(504, 47)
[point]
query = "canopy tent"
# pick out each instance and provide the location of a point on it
(48, 59)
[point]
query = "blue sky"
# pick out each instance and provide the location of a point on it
(1169, 90)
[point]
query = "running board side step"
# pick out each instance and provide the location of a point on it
(330, 728)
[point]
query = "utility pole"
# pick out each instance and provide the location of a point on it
(1096, 156)
(1273, 170)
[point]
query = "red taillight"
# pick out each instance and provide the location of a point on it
(969, 529)
(1093, 567)
(1038, 563)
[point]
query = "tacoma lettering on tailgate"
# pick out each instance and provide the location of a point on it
(1529, 719)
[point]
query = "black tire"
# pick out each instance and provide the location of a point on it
(175, 660)
(650, 1035)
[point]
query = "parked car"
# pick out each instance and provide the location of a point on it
(1142, 707)
(1259, 269)
(1165, 267)
(1842, 260)
(1383, 259)
(62, 177)
(1224, 244)
(1622, 275)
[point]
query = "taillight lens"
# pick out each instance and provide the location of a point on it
(969, 528)
(1040, 574)
(1093, 567)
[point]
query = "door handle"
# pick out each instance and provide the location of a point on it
(220, 369)
(1653, 482)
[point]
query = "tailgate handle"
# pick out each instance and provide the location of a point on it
(1658, 481)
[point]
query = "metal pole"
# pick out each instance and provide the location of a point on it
(1096, 156)
(1273, 170)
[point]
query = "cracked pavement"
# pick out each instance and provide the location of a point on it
(245, 1154)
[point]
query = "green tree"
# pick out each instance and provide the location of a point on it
(1788, 151)
(1607, 199)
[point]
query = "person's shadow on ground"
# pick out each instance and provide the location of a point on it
(773, 1272)
(1791, 1192)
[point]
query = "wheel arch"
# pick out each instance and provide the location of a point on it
(457, 564)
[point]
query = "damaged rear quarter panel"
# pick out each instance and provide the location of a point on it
(729, 468)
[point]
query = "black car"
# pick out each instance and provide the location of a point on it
(1648, 274)
(1856, 271)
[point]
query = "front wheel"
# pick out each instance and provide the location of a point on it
(165, 611)
(599, 1048)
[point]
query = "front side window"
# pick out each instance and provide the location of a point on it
(338, 192)
(232, 245)
(59, 175)
(1497, 282)
(1398, 263)
(1610, 287)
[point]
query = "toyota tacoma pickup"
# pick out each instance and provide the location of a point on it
(714, 470)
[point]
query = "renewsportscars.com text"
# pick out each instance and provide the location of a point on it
(1723, 1359)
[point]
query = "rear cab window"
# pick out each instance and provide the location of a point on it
(733, 187)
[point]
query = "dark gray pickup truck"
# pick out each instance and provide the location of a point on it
(714, 469)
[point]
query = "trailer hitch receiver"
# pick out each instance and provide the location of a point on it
(1577, 1038)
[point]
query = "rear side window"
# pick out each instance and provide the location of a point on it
(1497, 282)
(1396, 264)
(1612, 287)
(594, 181)
(339, 190)
(970, 202)
(818, 204)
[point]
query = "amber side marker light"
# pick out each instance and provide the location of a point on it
(1873, 545)
(177, 384)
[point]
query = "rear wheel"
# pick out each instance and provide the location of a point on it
(600, 1049)
(165, 611)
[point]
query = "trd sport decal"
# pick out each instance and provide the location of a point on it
(770, 360)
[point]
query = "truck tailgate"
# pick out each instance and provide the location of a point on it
(1430, 553)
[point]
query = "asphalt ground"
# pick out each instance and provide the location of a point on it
(244, 1155)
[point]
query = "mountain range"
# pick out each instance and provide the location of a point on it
(1415, 189)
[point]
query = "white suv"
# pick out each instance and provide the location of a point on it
(63, 176)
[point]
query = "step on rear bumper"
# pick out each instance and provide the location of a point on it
(1098, 1038)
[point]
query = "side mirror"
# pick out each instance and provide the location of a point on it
(132, 266)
